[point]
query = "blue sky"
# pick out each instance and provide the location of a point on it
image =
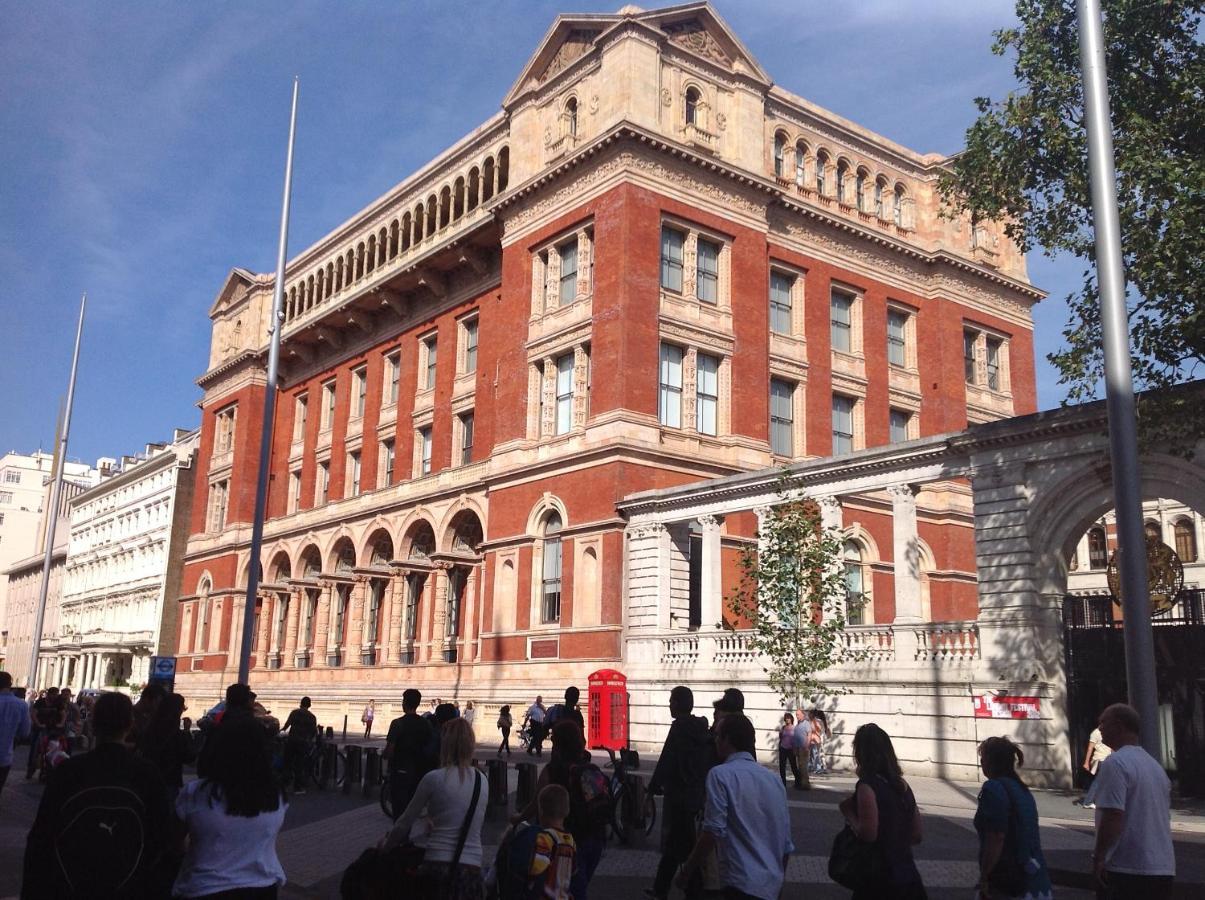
(142, 152)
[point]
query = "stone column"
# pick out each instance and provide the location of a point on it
(468, 615)
(274, 629)
(356, 608)
(439, 614)
(712, 607)
(426, 612)
(906, 554)
(265, 628)
(396, 593)
(290, 648)
(664, 544)
(322, 622)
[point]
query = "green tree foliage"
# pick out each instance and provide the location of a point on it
(1026, 163)
(792, 593)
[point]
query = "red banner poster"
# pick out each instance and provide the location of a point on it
(1007, 706)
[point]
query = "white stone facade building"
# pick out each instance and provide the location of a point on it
(127, 535)
(1177, 525)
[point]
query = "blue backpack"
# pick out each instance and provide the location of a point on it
(512, 864)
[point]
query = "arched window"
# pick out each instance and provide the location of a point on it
(1186, 540)
(1098, 548)
(879, 187)
(571, 117)
(801, 154)
(821, 173)
(692, 106)
(842, 171)
(897, 212)
(860, 192)
(855, 588)
(550, 580)
(780, 147)
(203, 619)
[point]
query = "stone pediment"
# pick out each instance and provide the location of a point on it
(575, 45)
(233, 290)
(691, 35)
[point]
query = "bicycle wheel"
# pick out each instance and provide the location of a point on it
(314, 769)
(386, 799)
(340, 773)
(618, 826)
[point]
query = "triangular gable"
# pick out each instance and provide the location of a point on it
(569, 39)
(233, 287)
(698, 29)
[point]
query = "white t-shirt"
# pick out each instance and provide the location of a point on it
(446, 797)
(225, 852)
(1100, 750)
(535, 712)
(1131, 780)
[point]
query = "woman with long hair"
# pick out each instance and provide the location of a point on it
(164, 743)
(232, 817)
(820, 733)
(454, 797)
(1011, 863)
(883, 812)
(786, 748)
(504, 725)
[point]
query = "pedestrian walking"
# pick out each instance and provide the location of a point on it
(680, 775)
(883, 812)
(47, 718)
(1011, 863)
(803, 749)
(166, 745)
(300, 732)
(786, 749)
(453, 797)
(1133, 856)
(504, 725)
(144, 710)
(816, 737)
(1096, 753)
(534, 721)
(408, 751)
(745, 816)
(469, 714)
(14, 724)
(567, 710)
(366, 717)
(232, 817)
(103, 827)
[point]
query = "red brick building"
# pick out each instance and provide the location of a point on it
(653, 266)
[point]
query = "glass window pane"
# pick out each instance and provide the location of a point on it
(842, 323)
(568, 290)
(708, 281)
(670, 395)
(780, 303)
(968, 356)
(843, 425)
(896, 329)
(708, 381)
(564, 393)
(782, 416)
(899, 425)
(671, 259)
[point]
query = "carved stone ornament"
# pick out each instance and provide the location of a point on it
(593, 104)
(667, 98)
(548, 136)
(721, 121)
(575, 46)
(694, 37)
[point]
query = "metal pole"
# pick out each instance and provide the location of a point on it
(265, 440)
(1119, 381)
(52, 511)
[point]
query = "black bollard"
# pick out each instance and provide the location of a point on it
(497, 806)
(345, 728)
(372, 770)
(353, 767)
(330, 733)
(329, 761)
(525, 790)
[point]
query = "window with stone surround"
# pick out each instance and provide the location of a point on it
(669, 403)
(301, 405)
(467, 330)
(463, 437)
(223, 437)
(550, 579)
(780, 151)
(562, 271)
(322, 484)
(388, 459)
(707, 393)
(1098, 548)
(559, 392)
(845, 425)
(858, 605)
(707, 272)
(393, 375)
(693, 388)
(328, 405)
(359, 391)
(1185, 535)
(845, 315)
(985, 359)
(219, 497)
(900, 425)
(901, 338)
(294, 490)
(695, 265)
(673, 242)
(427, 356)
(353, 473)
(563, 419)
(782, 417)
(423, 451)
(786, 301)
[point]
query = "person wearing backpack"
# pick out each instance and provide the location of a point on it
(1011, 863)
(537, 862)
(589, 800)
(566, 711)
(104, 824)
(681, 774)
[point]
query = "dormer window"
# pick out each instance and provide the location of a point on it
(693, 100)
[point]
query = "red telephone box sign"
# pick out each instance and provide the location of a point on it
(607, 728)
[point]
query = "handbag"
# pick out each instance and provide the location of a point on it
(853, 863)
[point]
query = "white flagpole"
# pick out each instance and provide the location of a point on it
(52, 511)
(265, 440)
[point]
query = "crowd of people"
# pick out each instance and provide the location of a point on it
(121, 820)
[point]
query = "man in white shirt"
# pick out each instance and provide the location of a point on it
(1133, 856)
(535, 723)
(745, 816)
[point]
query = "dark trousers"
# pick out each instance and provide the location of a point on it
(3, 775)
(731, 893)
(589, 854)
(31, 765)
(786, 756)
(402, 786)
(679, 836)
(261, 893)
(1120, 886)
(505, 745)
(295, 762)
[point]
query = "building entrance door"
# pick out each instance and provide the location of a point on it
(1093, 641)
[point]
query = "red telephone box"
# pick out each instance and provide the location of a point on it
(608, 726)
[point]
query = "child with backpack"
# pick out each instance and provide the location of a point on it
(537, 862)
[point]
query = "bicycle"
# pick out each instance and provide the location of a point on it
(623, 799)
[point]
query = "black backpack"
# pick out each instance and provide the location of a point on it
(100, 843)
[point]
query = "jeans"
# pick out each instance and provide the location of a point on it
(505, 745)
(402, 786)
(679, 842)
(786, 755)
(589, 854)
(295, 762)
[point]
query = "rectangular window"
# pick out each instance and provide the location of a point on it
(898, 425)
(466, 439)
(780, 302)
(669, 404)
(993, 363)
(6, 496)
(470, 346)
(843, 424)
(897, 324)
(424, 437)
(429, 346)
(550, 607)
(353, 471)
(388, 457)
(414, 592)
(221, 496)
(841, 307)
(568, 286)
(224, 438)
(672, 241)
(969, 339)
(324, 482)
(782, 417)
(564, 394)
(12, 476)
(707, 282)
(328, 405)
(300, 409)
(393, 374)
(294, 490)
(359, 391)
(708, 394)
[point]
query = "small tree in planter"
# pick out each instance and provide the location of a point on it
(792, 594)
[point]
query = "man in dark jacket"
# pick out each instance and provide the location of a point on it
(680, 775)
(238, 713)
(411, 751)
(103, 826)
